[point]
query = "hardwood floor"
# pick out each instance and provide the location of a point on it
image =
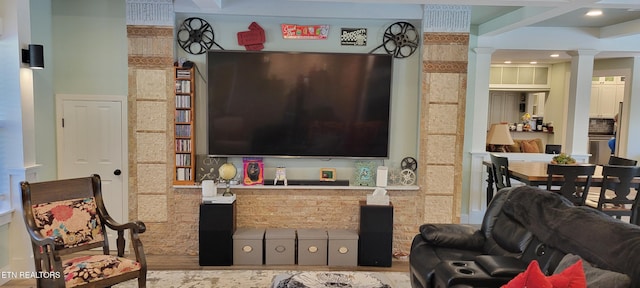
(180, 262)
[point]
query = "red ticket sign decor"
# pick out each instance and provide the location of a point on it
(294, 31)
(252, 40)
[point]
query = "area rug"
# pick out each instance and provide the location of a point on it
(261, 279)
(323, 279)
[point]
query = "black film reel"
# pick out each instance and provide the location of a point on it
(196, 36)
(409, 163)
(400, 40)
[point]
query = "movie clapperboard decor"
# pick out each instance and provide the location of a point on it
(353, 37)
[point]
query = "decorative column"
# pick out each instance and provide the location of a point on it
(577, 128)
(629, 137)
(150, 102)
(443, 96)
(479, 66)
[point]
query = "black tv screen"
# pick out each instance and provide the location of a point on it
(272, 104)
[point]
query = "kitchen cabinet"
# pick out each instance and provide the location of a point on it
(605, 99)
(535, 103)
(504, 106)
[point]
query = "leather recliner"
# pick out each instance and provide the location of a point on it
(498, 235)
(526, 223)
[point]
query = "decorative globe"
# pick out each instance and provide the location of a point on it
(227, 171)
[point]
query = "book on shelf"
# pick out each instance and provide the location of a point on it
(183, 116)
(183, 145)
(183, 174)
(183, 159)
(183, 73)
(183, 101)
(183, 86)
(183, 130)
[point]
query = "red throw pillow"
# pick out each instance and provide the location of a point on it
(572, 277)
(532, 277)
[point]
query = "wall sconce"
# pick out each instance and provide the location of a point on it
(34, 56)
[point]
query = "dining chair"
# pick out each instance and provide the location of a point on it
(575, 181)
(615, 160)
(616, 194)
(500, 167)
(67, 217)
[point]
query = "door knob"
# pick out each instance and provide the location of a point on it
(117, 172)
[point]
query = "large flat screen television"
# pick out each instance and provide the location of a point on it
(302, 104)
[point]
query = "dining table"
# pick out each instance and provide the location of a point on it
(534, 173)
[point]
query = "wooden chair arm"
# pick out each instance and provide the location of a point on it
(135, 226)
(40, 240)
(48, 258)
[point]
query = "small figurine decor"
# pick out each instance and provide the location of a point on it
(281, 175)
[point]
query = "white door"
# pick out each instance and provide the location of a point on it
(91, 141)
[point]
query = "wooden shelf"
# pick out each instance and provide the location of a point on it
(304, 187)
(184, 127)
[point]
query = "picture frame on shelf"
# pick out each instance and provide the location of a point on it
(327, 174)
(365, 173)
(207, 167)
(253, 171)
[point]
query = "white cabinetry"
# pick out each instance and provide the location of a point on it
(535, 103)
(606, 94)
(504, 106)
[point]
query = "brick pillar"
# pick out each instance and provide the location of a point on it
(150, 104)
(443, 94)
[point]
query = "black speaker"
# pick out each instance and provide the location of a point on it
(375, 249)
(217, 225)
(376, 218)
(375, 241)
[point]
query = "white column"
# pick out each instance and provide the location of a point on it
(16, 82)
(577, 128)
(480, 100)
(477, 111)
(629, 130)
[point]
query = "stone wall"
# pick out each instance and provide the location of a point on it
(171, 214)
(442, 106)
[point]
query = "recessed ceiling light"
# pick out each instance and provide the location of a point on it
(507, 62)
(594, 13)
(555, 55)
(533, 62)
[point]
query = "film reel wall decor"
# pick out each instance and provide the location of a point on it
(196, 36)
(400, 39)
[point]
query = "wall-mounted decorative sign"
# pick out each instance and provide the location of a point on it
(294, 31)
(252, 40)
(353, 37)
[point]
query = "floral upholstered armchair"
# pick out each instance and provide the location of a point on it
(67, 216)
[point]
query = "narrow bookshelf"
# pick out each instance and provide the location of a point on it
(184, 125)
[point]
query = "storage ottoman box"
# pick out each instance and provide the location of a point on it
(312, 247)
(343, 248)
(280, 246)
(248, 246)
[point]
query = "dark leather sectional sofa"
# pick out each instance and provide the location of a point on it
(522, 224)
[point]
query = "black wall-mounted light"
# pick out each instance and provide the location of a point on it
(34, 56)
